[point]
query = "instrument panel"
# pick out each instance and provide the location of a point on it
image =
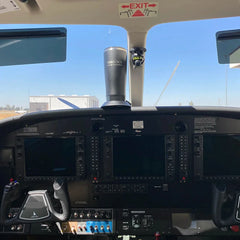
(128, 153)
(127, 171)
(129, 147)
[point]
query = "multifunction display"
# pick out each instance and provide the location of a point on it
(221, 155)
(50, 156)
(139, 156)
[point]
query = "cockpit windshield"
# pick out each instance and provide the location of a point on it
(181, 69)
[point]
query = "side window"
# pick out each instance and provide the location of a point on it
(199, 79)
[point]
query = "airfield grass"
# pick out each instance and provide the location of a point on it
(7, 114)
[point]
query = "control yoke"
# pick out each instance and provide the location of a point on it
(220, 197)
(37, 207)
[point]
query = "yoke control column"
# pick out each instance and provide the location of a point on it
(37, 206)
(220, 197)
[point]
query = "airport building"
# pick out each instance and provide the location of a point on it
(51, 102)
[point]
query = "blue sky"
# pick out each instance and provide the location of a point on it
(199, 78)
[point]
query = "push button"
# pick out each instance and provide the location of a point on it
(235, 228)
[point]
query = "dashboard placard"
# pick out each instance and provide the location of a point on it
(205, 125)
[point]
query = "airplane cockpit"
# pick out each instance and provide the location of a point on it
(121, 171)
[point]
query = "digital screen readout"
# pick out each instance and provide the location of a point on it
(50, 156)
(139, 156)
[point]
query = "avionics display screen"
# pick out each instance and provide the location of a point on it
(139, 156)
(221, 155)
(50, 156)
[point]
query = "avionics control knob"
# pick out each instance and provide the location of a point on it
(97, 127)
(96, 215)
(81, 214)
(136, 221)
(88, 215)
(101, 214)
(75, 214)
(19, 227)
(108, 214)
(180, 126)
(13, 227)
